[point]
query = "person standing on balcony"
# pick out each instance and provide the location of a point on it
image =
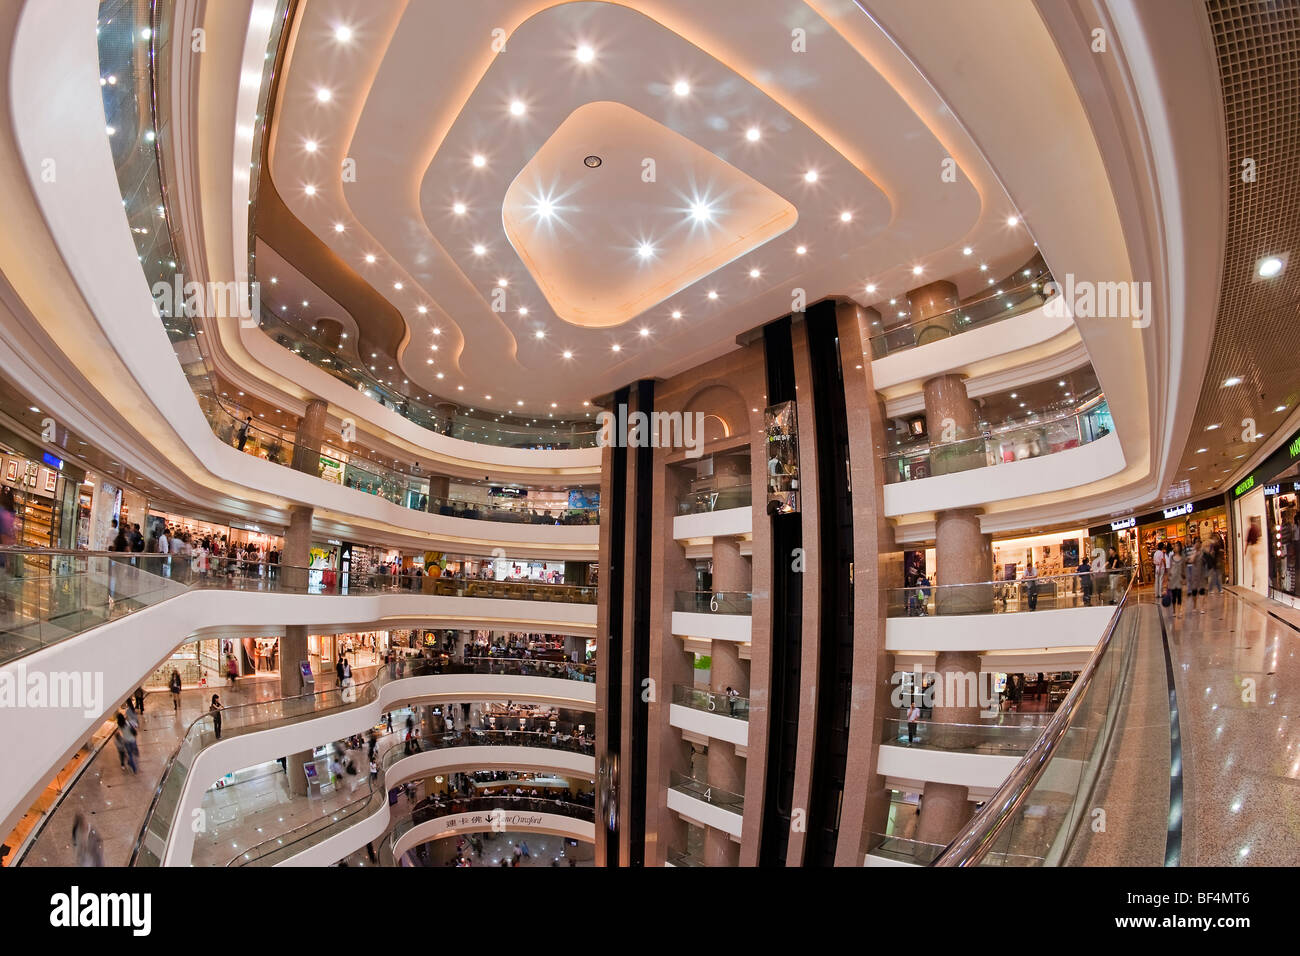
(215, 709)
(242, 435)
(913, 715)
(1084, 571)
(1031, 586)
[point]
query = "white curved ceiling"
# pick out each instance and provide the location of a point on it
(417, 90)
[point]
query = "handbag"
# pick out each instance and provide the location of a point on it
(1166, 599)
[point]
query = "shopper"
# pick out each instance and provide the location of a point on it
(913, 715)
(1084, 572)
(1031, 586)
(1195, 570)
(242, 436)
(1177, 578)
(1160, 560)
(1214, 564)
(129, 747)
(215, 709)
(1114, 566)
(232, 669)
(139, 700)
(174, 685)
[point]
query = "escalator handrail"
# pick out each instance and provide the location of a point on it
(970, 846)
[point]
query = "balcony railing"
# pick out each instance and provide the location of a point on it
(700, 790)
(714, 602)
(716, 498)
(1014, 299)
(1024, 595)
(1000, 444)
(1002, 735)
(251, 718)
(722, 704)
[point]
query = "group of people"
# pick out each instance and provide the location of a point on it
(1195, 569)
(189, 553)
(1106, 567)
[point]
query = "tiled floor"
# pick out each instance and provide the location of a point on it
(113, 799)
(544, 850)
(1237, 671)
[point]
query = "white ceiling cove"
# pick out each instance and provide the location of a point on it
(747, 149)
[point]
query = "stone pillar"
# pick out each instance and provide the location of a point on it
(945, 809)
(446, 411)
(932, 315)
(329, 333)
(311, 432)
(726, 767)
(964, 556)
(952, 421)
(439, 489)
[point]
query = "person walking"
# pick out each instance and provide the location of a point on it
(1195, 570)
(1177, 579)
(139, 700)
(215, 709)
(1160, 561)
(174, 685)
(232, 669)
(129, 748)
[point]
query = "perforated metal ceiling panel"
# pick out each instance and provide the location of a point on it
(1257, 334)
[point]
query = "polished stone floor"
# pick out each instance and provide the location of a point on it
(1237, 670)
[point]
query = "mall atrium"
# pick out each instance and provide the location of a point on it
(649, 433)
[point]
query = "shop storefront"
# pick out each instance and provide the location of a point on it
(1053, 553)
(1266, 535)
(46, 494)
(1135, 537)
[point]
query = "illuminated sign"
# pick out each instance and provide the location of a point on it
(52, 461)
(1184, 509)
(1273, 489)
(1244, 487)
(1294, 448)
(1122, 524)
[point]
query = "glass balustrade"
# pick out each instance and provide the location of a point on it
(487, 806)
(713, 602)
(1002, 734)
(701, 790)
(1032, 437)
(714, 497)
(48, 595)
(903, 850)
(1090, 589)
(250, 718)
(710, 702)
(678, 858)
(1015, 297)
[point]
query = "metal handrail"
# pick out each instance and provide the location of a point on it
(970, 846)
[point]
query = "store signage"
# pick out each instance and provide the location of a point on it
(1122, 524)
(1273, 489)
(1244, 487)
(55, 463)
(1294, 448)
(1184, 509)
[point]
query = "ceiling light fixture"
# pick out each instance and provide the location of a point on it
(458, 208)
(585, 54)
(517, 108)
(1210, 428)
(503, 282)
(568, 354)
(754, 273)
(645, 250)
(310, 146)
(323, 95)
(523, 310)
(309, 189)
(871, 287)
(713, 293)
(370, 258)
(846, 216)
(479, 160)
(423, 310)
(1013, 221)
(540, 334)
(966, 251)
(677, 313)
(1270, 267)
(800, 250)
(753, 134)
(397, 286)
(592, 162)
(338, 227)
(343, 33)
(616, 347)
(916, 270)
(810, 176)
(682, 88)
(479, 249)
(645, 333)
(1231, 381)
(700, 211)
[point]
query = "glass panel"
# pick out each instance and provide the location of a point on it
(714, 602)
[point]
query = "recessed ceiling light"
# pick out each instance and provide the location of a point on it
(645, 250)
(517, 108)
(984, 267)
(310, 146)
(753, 134)
(422, 309)
(700, 211)
(342, 33)
(846, 216)
(487, 398)
(479, 249)
(304, 303)
(1280, 408)
(397, 286)
(1013, 221)
(33, 408)
(677, 313)
(523, 310)
(540, 334)
(966, 251)
(519, 402)
(713, 293)
(810, 176)
(458, 208)
(323, 95)
(568, 354)
(645, 333)
(479, 160)
(274, 280)
(800, 250)
(338, 227)
(1270, 267)
(754, 273)
(503, 282)
(440, 375)
(428, 361)
(1231, 380)
(437, 331)
(1210, 428)
(370, 258)
(585, 54)
(871, 287)
(592, 162)
(1014, 395)
(682, 88)
(1201, 451)
(1061, 383)
(543, 208)
(916, 270)
(309, 189)
(616, 347)
(460, 388)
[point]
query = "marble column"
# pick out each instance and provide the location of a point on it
(439, 488)
(945, 809)
(964, 556)
(932, 315)
(311, 432)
